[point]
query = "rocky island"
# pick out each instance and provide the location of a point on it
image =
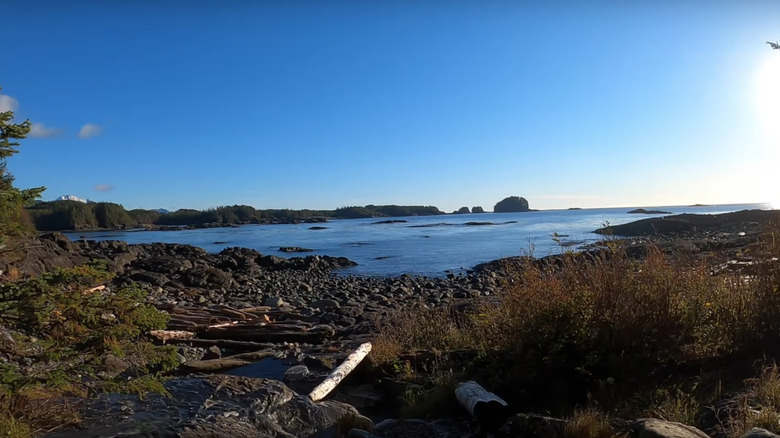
(511, 204)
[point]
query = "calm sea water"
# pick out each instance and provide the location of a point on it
(429, 245)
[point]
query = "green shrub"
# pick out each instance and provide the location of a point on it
(65, 326)
(61, 321)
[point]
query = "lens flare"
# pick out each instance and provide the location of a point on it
(767, 95)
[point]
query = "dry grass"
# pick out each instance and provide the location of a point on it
(570, 329)
(34, 413)
(759, 406)
(589, 423)
(675, 404)
(422, 329)
(612, 306)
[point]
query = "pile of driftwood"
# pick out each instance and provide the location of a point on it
(239, 329)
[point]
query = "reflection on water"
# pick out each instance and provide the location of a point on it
(268, 368)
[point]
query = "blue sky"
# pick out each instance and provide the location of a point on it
(323, 104)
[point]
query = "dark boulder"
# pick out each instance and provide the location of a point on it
(238, 258)
(207, 278)
(477, 209)
(153, 278)
(60, 239)
(272, 262)
(33, 257)
(164, 264)
(294, 249)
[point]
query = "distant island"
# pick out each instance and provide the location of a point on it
(643, 211)
(511, 204)
(465, 210)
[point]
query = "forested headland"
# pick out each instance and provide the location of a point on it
(75, 215)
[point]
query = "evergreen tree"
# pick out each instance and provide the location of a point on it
(12, 199)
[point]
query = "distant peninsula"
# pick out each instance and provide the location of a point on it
(643, 211)
(72, 215)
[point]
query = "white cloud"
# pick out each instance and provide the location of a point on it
(90, 130)
(103, 187)
(8, 103)
(39, 130)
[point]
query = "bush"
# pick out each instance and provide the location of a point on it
(593, 322)
(60, 308)
(62, 327)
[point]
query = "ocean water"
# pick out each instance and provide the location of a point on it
(423, 245)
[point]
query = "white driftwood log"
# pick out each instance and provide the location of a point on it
(94, 289)
(165, 335)
(490, 410)
(340, 372)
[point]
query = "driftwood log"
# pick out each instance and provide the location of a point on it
(488, 409)
(224, 343)
(340, 372)
(226, 363)
(167, 335)
(223, 325)
(252, 333)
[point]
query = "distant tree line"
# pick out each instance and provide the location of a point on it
(383, 211)
(74, 215)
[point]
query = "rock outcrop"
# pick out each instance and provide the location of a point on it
(681, 224)
(211, 406)
(511, 204)
(643, 211)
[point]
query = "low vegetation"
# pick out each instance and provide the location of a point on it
(662, 336)
(61, 335)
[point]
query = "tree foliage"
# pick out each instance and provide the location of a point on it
(74, 215)
(12, 199)
(75, 326)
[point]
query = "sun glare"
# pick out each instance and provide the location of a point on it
(767, 95)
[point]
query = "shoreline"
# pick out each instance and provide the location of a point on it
(698, 232)
(650, 210)
(337, 312)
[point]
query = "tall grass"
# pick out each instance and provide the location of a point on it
(593, 323)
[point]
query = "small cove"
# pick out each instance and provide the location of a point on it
(418, 245)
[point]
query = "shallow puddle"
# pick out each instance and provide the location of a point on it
(268, 368)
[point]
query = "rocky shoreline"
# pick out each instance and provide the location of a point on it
(310, 291)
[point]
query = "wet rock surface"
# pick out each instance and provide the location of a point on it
(210, 406)
(184, 275)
